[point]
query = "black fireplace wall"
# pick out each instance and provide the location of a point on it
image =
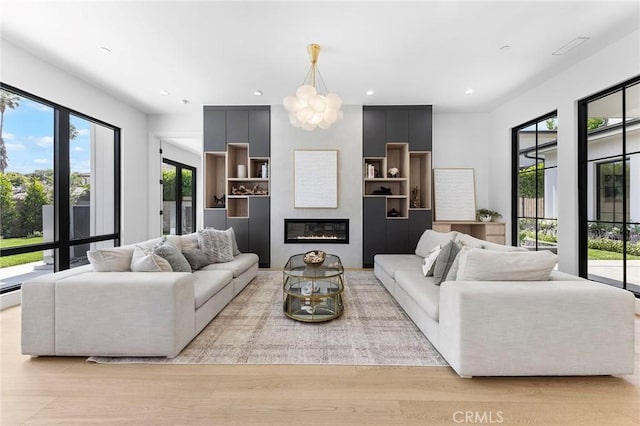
(317, 231)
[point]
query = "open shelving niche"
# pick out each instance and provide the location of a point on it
(414, 171)
(223, 179)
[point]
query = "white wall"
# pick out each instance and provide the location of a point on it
(169, 132)
(31, 74)
(346, 137)
(461, 141)
(614, 64)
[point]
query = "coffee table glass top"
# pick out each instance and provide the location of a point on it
(332, 266)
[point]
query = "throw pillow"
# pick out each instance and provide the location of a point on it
(169, 252)
(429, 261)
(430, 238)
(489, 265)
(444, 261)
(217, 245)
(196, 258)
(117, 259)
(236, 251)
(146, 261)
(189, 241)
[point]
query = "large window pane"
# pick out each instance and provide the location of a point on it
(187, 201)
(632, 112)
(169, 212)
(604, 118)
(605, 252)
(26, 185)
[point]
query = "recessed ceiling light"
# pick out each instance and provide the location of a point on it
(184, 101)
(105, 49)
(468, 91)
(370, 92)
(504, 49)
(164, 93)
(570, 46)
(258, 93)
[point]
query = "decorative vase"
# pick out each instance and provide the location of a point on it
(242, 171)
(486, 218)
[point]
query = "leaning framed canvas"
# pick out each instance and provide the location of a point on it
(315, 179)
(454, 194)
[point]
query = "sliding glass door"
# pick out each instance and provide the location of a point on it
(609, 179)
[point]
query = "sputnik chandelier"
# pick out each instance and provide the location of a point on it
(311, 106)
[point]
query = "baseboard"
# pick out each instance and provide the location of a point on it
(10, 299)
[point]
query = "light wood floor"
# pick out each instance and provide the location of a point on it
(68, 391)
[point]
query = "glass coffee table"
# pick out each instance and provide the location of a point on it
(313, 293)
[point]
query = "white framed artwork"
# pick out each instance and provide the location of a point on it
(315, 179)
(454, 194)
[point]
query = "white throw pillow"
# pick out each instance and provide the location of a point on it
(146, 261)
(488, 265)
(189, 241)
(430, 239)
(430, 261)
(117, 259)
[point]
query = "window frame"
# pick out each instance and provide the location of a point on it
(61, 200)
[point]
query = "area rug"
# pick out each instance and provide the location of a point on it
(252, 329)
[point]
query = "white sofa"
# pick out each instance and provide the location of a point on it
(79, 312)
(563, 326)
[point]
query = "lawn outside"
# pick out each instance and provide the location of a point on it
(20, 259)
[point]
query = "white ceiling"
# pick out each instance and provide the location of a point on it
(209, 52)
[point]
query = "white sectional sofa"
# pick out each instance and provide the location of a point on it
(561, 326)
(79, 312)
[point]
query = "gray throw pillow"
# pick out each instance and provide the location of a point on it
(196, 258)
(217, 245)
(169, 252)
(236, 251)
(444, 261)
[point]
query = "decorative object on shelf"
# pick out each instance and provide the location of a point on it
(393, 213)
(393, 172)
(486, 215)
(312, 106)
(257, 190)
(415, 197)
(219, 202)
(242, 171)
(308, 289)
(382, 191)
(314, 257)
(243, 190)
(264, 171)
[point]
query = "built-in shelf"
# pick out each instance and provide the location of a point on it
(215, 165)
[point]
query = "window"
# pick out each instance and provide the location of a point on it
(59, 187)
(609, 179)
(535, 184)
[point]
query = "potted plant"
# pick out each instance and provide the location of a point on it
(486, 215)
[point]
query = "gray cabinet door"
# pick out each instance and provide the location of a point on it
(215, 136)
(259, 231)
(398, 236)
(374, 236)
(374, 138)
(241, 229)
(237, 126)
(420, 130)
(419, 221)
(397, 126)
(215, 218)
(259, 132)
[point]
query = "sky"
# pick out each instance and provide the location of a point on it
(28, 136)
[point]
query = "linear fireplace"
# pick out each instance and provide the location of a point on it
(319, 231)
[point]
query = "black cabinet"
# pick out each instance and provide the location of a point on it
(215, 129)
(374, 125)
(259, 131)
(259, 229)
(397, 126)
(408, 129)
(239, 135)
(237, 126)
(374, 236)
(420, 134)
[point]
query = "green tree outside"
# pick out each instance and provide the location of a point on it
(527, 181)
(169, 184)
(7, 207)
(31, 208)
